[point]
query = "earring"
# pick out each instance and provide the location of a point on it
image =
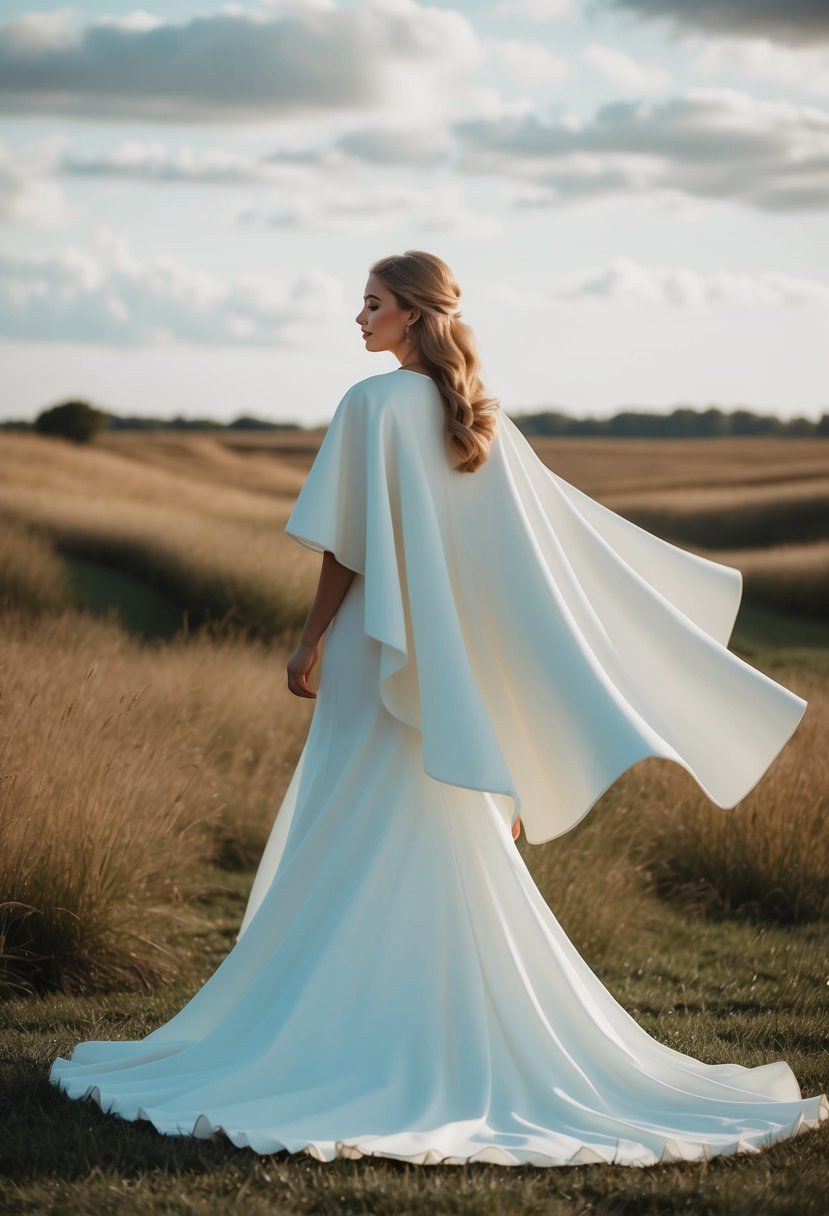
(406, 334)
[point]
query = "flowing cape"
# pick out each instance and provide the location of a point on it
(540, 643)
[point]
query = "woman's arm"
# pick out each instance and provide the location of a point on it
(334, 581)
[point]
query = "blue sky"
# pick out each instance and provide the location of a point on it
(633, 194)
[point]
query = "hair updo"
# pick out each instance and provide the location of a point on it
(446, 347)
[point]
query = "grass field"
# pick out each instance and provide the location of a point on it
(148, 601)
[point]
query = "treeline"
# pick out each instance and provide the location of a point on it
(681, 423)
(80, 421)
(245, 423)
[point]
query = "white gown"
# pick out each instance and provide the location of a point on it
(399, 987)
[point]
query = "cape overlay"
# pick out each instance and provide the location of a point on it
(540, 643)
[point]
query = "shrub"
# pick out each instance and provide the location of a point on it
(75, 420)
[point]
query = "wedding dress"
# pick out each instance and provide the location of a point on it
(399, 986)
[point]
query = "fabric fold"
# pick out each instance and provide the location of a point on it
(539, 642)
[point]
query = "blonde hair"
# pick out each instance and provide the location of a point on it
(446, 347)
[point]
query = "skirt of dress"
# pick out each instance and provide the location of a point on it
(401, 989)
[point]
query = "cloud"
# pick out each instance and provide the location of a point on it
(623, 71)
(28, 192)
(796, 21)
(627, 280)
(528, 62)
(534, 10)
(805, 69)
(112, 297)
(236, 65)
(708, 143)
(419, 147)
(154, 161)
(377, 208)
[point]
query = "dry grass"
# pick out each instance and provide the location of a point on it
(597, 883)
(768, 857)
(724, 517)
(611, 468)
(211, 460)
(216, 552)
(124, 769)
(792, 578)
(32, 576)
(654, 833)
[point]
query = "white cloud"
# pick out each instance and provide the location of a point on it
(32, 33)
(534, 10)
(397, 145)
(625, 279)
(299, 6)
(623, 71)
(376, 208)
(29, 194)
(528, 62)
(704, 144)
(296, 60)
(805, 69)
(138, 21)
(153, 160)
(113, 297)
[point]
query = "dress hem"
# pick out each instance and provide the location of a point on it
(634, 1154)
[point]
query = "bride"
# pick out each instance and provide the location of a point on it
(495, 649)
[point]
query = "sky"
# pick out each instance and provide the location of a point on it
(633, 195)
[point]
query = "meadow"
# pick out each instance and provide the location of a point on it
(148, 602)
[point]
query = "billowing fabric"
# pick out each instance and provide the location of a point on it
(540, 643)
(399, 987)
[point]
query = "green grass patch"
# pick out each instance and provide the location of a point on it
(137, 605)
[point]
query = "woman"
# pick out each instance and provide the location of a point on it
(491, 641)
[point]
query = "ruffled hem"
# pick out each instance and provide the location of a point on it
(393, 1146)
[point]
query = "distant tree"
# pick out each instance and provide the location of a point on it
(247, 423)
(635, 424)
(800, 426)
(823, 425)
(682, 422)
(548, 422)
(713, 422)
(75, 420)
(745, 422)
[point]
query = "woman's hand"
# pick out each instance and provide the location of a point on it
(300, 665)
(516, 828)
(334, 581)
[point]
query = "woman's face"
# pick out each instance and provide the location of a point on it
(383, 322)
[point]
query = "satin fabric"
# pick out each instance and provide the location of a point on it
(399, 986)
(540, 643)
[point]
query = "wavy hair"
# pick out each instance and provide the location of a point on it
(446, 347)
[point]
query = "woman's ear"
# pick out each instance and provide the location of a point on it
(414, 315)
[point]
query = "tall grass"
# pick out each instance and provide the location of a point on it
(768, 857)
(791, 578)
(215, 552)
(729, 517)
(612, 468)
(125, 769)
(32, 576)
(655, 833)
(597, 883)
